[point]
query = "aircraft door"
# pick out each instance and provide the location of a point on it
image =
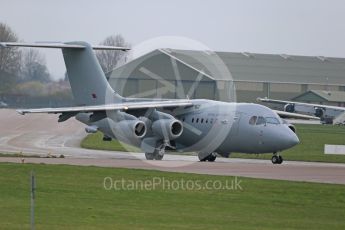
(260, 125)
(235, 125)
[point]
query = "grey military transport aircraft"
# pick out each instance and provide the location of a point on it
(207, 127)
(327, 114)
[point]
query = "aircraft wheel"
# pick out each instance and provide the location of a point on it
(280, 159)
(158, 154)
(149, 156)
(158, 157)
(212, 157)
(275, 159)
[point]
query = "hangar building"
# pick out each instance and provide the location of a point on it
(334, 98)
(170, 73)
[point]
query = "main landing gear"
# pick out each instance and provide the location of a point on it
(277, 159)
(158, 155)
(211, 158)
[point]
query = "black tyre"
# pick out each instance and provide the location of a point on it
(158, 157)
(211, 158)
(149, 156)
(275, 159)
(280, 158)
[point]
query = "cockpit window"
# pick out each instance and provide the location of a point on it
(252, 120)
(272, 120)
(260, 121)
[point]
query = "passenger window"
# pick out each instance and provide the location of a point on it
(197, 120)
(206, 121)
(260, 121)
(192, 120)
(202, 120)
(252, 120)
(272, 120)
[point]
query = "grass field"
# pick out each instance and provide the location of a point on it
(70, 197)
(94, 141)
(312, 137)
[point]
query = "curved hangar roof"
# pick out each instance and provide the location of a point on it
(249, 67)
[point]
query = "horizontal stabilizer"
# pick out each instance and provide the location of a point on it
(59, 46)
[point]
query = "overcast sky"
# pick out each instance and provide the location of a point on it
(301, 27)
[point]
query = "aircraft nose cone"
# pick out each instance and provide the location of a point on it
(290, 139)
(294, 140)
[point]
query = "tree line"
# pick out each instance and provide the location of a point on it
(26, 68)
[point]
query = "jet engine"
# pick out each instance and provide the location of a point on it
(130, 128)
(318, 112)
(168, 129)
(289, 108)
(91, 129)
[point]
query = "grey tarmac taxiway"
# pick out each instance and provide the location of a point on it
(42, 135)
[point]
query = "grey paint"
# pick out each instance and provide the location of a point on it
(208, 126)
(87, 80)
(229, 130)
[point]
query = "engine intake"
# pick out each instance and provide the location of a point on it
(140, 129)
(290, 108)
(168, 129)
(319, 112)
(131, 128)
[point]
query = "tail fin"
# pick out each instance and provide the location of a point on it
(88, 82)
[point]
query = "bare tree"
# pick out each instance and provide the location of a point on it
(9, 58)
(34, 66)
(110, 58)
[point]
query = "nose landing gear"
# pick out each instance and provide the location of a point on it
(277, 159)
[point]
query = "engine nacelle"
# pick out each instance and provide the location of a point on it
(91, 129)
(168, 129)
(289, 108)
(130, 128)
(318, 112)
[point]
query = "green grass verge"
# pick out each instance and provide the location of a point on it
(71, 197)
(94, 141)
(312, 137)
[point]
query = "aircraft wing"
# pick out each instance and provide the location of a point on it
(284, 114)
(281, 102)
(117, 106)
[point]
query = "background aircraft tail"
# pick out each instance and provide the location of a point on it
(88, 82)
